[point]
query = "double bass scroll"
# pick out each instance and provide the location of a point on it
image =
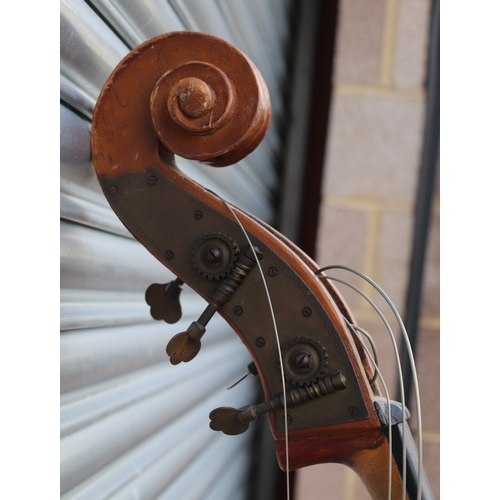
(196, 96)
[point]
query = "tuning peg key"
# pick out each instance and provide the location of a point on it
(186, 345)
(232, 421)
(164, 301)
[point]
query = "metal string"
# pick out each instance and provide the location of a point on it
(412, 363)
(275, 327)
(354, 329)
(373, 346)
(400, 373)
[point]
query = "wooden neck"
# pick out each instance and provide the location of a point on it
(366, 450)
(372, 467)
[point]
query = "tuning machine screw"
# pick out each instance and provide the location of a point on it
(305, 360)
(302, 361)
(214, 255)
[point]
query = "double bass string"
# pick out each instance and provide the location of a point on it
(373, 346)
(354, 329)
(412, 363)
(275, 327)
(389, 416)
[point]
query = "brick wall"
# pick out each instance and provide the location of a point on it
(366, 218)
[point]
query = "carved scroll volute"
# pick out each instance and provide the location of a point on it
(202, 98)
(211, 104)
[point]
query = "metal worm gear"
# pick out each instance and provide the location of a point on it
(214, 255)
(305, 360)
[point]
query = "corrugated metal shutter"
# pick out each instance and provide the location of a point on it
(132, 425)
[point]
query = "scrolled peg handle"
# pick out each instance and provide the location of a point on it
(164, 301)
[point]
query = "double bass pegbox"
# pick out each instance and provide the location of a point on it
(170, 215)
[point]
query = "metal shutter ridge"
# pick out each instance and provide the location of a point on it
(133, 425)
